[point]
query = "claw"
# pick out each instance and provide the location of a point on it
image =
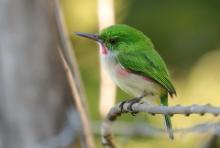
(131, 103)
(121, 105)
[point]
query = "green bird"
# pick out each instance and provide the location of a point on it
(135, 66)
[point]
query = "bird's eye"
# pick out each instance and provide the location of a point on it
(113, 41)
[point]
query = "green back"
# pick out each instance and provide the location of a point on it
(135, 52)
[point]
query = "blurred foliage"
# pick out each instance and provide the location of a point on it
(185, 33)
(182, 31)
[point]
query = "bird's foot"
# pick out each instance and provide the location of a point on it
(122, 105)
(131, 103)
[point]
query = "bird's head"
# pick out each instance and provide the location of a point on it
(119, 37)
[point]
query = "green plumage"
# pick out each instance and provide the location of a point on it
(137, 54)
(142, 63)
(129, 56)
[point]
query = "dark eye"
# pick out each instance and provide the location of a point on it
(113, 41)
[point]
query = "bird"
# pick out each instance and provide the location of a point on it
(135, 66)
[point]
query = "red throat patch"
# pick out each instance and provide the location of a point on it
(103, 49)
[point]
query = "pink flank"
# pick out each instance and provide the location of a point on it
(122, 71)
(147, 79)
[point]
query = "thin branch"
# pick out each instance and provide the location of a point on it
(82, 112)
(146, 130)
(68, 51)
(70, 65)
(117, 111)
(71, 129)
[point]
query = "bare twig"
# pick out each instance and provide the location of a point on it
(145, 129)
(82, 112)
(68, 52)
(152, 109)
(69, 62)
(71, 129)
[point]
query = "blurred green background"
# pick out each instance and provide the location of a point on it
(187, 35)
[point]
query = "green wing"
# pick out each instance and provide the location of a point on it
(147, 63)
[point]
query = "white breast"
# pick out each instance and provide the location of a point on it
(129, 82)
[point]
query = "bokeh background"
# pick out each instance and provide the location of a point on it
(187, 36)
(38, 108)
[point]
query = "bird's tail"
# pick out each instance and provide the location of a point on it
(164, 101)
(169, 126)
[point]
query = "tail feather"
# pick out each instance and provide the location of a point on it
(164, 101)
(169, 126)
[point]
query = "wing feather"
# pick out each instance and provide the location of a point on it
(149, 64)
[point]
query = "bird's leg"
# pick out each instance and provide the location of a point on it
(131, 103)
